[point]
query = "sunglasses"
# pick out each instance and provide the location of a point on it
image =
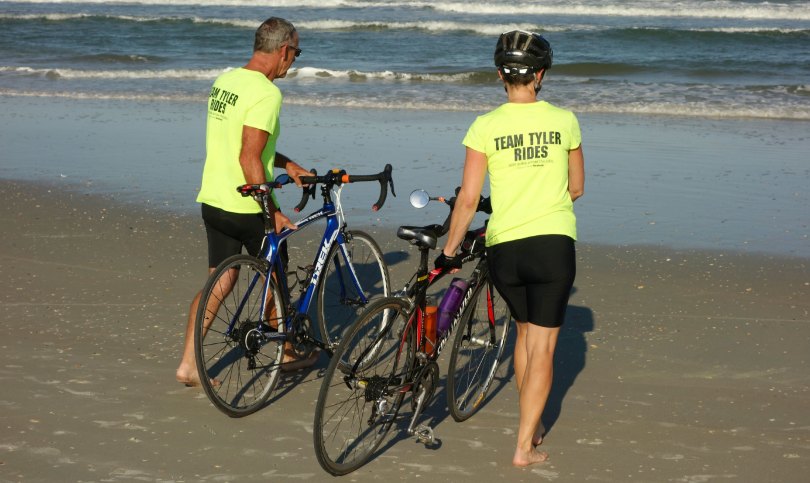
(297, 50)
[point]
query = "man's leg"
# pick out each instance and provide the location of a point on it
(187, 371)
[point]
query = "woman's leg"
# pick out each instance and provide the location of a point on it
(534, 357)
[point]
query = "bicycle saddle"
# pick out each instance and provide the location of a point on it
(421, 236)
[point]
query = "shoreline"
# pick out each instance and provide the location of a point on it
(705, 184)
(382, 225)
(671, 365)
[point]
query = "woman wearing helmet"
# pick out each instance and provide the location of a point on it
(532, 152)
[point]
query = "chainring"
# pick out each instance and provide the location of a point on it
(302, 340)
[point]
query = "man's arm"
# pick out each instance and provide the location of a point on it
(250, 158)
(293, 169)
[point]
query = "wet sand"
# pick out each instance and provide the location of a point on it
(673, 365)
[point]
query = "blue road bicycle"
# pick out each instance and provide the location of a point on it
(246, 321)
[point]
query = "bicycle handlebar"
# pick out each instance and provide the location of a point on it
(338, 177)
(484, 206)
(334, 177)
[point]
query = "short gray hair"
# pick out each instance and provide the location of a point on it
(272, 34)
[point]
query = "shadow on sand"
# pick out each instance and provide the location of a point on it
(569, 360)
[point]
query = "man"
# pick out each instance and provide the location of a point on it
(241, 135)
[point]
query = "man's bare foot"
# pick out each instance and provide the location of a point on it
(193, 380)
(523, 459)
(188, 377)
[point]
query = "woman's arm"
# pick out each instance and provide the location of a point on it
(576, 173)
(472, 181)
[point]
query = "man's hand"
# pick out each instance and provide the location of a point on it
(295, 171)
(283, 222)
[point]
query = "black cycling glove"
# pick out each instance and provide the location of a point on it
(443, 261)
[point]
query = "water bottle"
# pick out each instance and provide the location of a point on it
(449, 305)
(430, 326)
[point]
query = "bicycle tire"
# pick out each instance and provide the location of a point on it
(357, 406)
(237, 364)
(339, 303)
(477, 350)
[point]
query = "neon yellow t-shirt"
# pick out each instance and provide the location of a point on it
(238, 98)
(527, 146)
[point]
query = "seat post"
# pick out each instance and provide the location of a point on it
(424, 254)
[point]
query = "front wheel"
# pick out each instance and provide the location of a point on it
(238, 345)
(364, 386)
(354, 273)
(477, 351)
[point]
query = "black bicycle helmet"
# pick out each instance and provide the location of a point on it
(519, 48)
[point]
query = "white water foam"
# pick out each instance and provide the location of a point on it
(56, 72)
(693, 109)
(638, 8)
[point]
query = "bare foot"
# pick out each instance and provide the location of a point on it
(523, 459)
(188, 377)
(537, 439)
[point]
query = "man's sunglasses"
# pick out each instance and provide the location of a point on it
(297, 50)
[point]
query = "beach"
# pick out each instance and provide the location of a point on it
(685, 353)
(676, 362)
(674, 365)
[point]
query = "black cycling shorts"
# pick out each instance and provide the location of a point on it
(534, 276)
(228, 232)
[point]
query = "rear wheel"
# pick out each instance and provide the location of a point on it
(238, 351)
(364, 386)
(477, 350)
(339, 300)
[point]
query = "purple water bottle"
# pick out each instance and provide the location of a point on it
(449, 305)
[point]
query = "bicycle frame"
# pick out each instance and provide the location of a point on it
(270, 252)
(418, 293)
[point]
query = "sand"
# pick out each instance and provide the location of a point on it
(673, 365)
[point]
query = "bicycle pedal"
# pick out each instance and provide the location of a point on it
(424, 434)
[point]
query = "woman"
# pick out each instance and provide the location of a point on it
(532, 152)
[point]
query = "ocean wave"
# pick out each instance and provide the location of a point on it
(57, 73)
(300, 73)
(307, 73)
(677, 109)
(477, 28)
(637, 8)
(486, 29)
(67, 17)
(117, 58)
(574, 72)
(689, 9)
(104, 96)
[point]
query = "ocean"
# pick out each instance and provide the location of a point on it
(715, 58)
(694, 112)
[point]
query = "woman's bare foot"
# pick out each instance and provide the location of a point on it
(523, 459)
(537, 439)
